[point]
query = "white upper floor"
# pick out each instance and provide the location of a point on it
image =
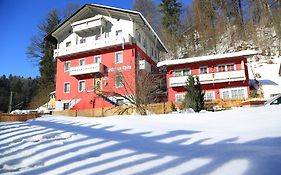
(96, 27)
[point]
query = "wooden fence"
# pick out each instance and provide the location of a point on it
(4, 117)
(156, 108)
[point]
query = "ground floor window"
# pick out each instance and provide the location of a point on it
(179, 97)
(240, 92)
(209, 95)
(66, 106)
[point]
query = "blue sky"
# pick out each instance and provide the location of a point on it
(19, 20)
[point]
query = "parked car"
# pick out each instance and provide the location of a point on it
(276, 100)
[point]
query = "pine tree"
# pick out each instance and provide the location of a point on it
(194, 97)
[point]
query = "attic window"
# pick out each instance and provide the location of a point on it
(68, 44)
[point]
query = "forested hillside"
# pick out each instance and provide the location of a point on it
(23, 90)
(215, 26)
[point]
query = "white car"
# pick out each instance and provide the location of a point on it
(276, 100)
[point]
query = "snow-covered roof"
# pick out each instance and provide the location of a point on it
(206, 58)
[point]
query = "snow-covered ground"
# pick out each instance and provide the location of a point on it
(238, 141)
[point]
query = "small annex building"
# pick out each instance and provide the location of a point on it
(223, 76)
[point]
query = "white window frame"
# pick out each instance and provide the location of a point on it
(97, 56)
(66, 92)
(181, 97)
(122, 78)
(138, 37)
(116, 53)
(81, 60)
(210, 92)
(201, 67)
(79, 89)
(67, 62)
(230, 92)
(181, 70)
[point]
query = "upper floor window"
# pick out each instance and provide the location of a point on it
(82, 62)
(66, 66)
(82, 40)
(106, 34)
(144, 42)
(67, 44)
(66, 88)
(118, 57)
(203, 70)
(81, 86)
(226, 67)
(98, 36)
(182, 72)
(118, 32)
(119, 81)
(97, 59)
(139, 37)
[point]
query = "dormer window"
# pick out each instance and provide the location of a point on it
(98, 37)
(68, 44)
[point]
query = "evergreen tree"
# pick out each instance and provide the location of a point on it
(194, 97)
(41, 51)
(171, 10)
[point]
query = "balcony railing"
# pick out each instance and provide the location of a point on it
(92, 45)
(88, 24)
(216, 77)
(87, 69)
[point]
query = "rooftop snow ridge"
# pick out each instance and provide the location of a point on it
(208, 57)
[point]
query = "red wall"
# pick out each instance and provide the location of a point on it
(212, 67)
(91, 100)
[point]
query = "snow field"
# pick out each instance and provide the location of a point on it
(238, 141)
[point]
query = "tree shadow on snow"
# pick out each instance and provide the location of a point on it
(263, 155)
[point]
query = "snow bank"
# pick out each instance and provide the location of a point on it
(239, 141)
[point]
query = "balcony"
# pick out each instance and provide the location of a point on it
(92, 45)
(87, 69)
(88, 25)
(217, 77)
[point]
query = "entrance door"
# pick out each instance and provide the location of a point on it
(98, 85)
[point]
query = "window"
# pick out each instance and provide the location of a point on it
(66, 66)
(203, 70)
(118, 57)
(98, 37)
(82, 62)
(230, 67)
(119, 33)
(68, 44)
(234, 93)
(221, 68)
(179, 97)
(226, 67)
(144, 42)
(66, 88)
(209, 95)
(66, 106)
(119, 81)
(97, 59)
(139, 37)
(182, 72)
(81, 86)
(106, 34)
(82, 40)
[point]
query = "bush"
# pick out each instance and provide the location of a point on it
(173, 107)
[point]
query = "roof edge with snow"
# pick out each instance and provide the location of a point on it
(206, 58)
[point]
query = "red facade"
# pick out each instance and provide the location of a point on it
(213, 68)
